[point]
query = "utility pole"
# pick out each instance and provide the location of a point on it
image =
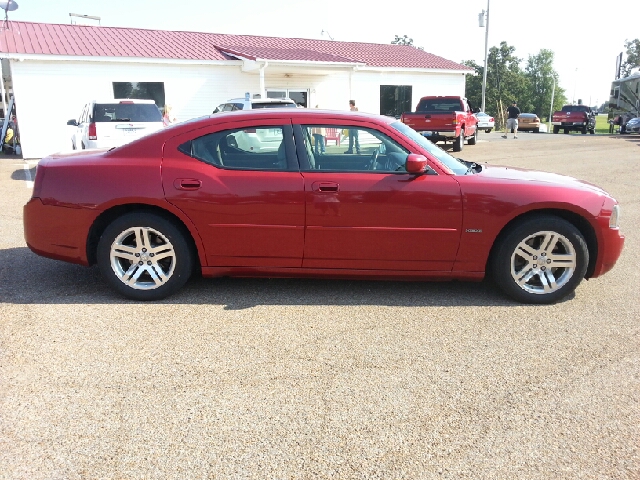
(486, 46)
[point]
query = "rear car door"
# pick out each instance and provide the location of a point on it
(246, 197)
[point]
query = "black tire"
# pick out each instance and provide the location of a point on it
(592, 131)
(133, 232)
(565, 246)
(584, 130)
(536, 130)
(566, 131)
(488, 130)
(556, 129)
(458, 143)
(473, 140)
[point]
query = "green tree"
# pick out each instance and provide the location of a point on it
(404, 40)
(632, 60)
(540, 76)
(506, 81)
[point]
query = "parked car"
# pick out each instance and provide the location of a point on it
(114, 122)
(443, 119)
(580, 118)
(244, 104)
(528, 122)
(485, 122)
(402, 208)
(633, 125)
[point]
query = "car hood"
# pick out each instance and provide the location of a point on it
(527, 177)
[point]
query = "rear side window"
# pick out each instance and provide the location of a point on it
(126, 112)
(259, 148)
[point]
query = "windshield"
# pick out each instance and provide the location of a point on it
(455, 165)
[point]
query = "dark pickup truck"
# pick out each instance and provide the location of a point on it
(579, 118)
(443, 119)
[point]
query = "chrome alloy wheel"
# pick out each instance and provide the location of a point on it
(142, 258)
(543, 262)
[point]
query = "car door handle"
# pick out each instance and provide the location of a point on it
(187, 183)
(325, 187)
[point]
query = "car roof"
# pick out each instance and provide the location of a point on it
(528, 115)
(298, 113)
(261, 100)
(123, 100)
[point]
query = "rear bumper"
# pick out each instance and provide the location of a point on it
(439, 134)
(57, 232)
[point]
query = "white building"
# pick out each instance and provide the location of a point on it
(53, 70)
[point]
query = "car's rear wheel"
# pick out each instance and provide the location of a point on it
(556, 129)
(566, 131)
(584, 130)
(459, 142)
(541, 260)
(144, 256)
(488, 130)
(536, 130)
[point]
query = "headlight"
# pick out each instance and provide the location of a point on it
(614, 219)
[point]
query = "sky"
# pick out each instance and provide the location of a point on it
(585, 37)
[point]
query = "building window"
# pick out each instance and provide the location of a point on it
(141, 90)
(395, 99)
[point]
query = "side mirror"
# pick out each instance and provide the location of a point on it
(416, 163)
(73, 123)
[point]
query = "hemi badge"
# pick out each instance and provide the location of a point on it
(474, 230)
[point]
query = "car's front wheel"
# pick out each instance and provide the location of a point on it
(541, 260)
(144, 256)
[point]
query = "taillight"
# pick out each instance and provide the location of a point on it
(92, 131)
(491, 119)
(37, 183)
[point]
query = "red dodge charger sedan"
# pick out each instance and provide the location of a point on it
(274, 193)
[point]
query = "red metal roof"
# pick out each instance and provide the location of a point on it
(92, 41)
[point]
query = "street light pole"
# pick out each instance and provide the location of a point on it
(553, 92)
(486, 46)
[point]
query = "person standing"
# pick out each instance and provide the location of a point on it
(166, 116)
(512, 120)
(318, 135)
(353, 132)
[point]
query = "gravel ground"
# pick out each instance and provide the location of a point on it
(297, 379)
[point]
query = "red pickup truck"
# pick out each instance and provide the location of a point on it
(574, 117)
(443, 119)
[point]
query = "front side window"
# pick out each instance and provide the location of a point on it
(260, 148)
(352, 149)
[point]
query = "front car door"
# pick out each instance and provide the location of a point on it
(241, 186)
(365, 212)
